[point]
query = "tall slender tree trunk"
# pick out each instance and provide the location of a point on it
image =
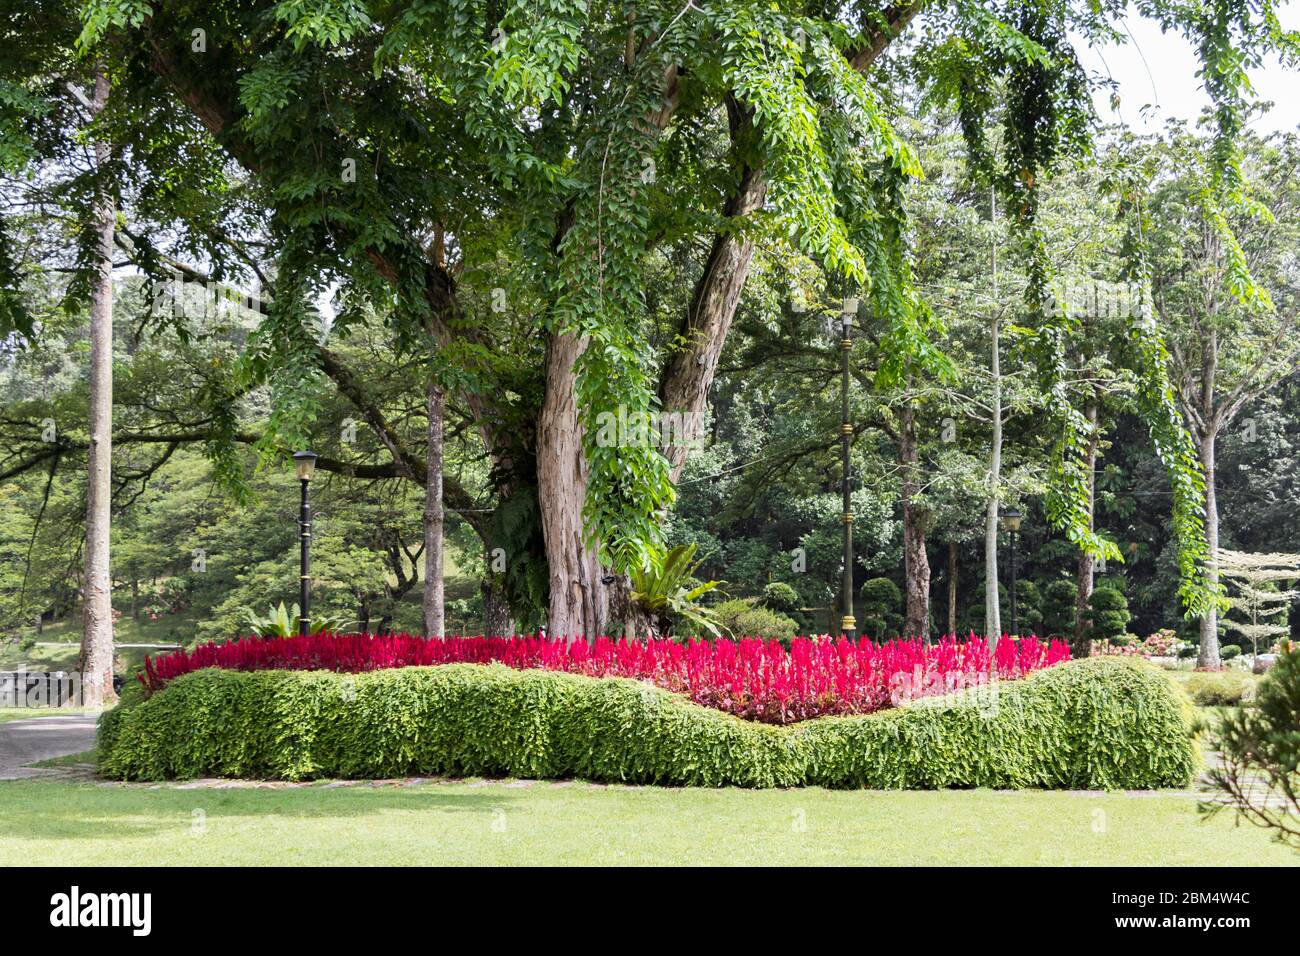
(434, 623)
(96, 661)
(992, 609)
(952, 587)
(917, 617)
(579, 601)
(1087, 564)
(1209, 653)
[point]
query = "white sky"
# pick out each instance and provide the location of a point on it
(1160, 70)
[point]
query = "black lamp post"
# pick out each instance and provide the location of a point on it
(305, 462)
(1011, 525)
(850, 309)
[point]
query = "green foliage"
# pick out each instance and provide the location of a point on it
(879, 613)
(1029, 601)
(779, 596)
(1107, 613)
(666, 588)
(1219, 688)
(1098, 724)
(744, 617)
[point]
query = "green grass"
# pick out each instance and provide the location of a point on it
(27, 713)
(85, 758)
(501, 822)
(171, 629)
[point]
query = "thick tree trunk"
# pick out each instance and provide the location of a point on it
(637, 623)
(434, 624)
(1084, 577)
(952, 587)
(1209, 653)
(917, 617)
(96, 662)
(688, 375)
(992, 609)
(579, 602)
(496, 612)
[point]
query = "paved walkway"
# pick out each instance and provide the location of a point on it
(24, 742)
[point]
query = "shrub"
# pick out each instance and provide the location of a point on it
(743, 617)
(780, 597)
(1228, 651)
(1163, 643)
(1086, 724)
(751, 678)
(1029, 608)
(1108, 613)
(878, 614)
(1058, 607)
(1218, 688)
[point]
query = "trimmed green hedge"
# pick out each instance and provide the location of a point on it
(1099, 723)
(1219, 688)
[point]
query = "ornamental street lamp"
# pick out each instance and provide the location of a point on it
(305, 462)
(848, 312)
(1011, 525)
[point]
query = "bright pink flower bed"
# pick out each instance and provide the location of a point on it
(752, 678)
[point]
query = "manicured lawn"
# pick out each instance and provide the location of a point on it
(27, 713)
(492, 822)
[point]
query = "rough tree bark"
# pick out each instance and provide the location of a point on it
(496, 612)
(1209, 652)
(688, 375)
(1087, 564)
(579, 601)
(96, 662)
(434, 625)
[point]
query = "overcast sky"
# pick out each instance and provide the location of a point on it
(1160, 70)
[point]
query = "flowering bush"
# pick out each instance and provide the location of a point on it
(752, 678)
(1163, 643)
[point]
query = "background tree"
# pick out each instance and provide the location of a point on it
(1255, 579)
(1230, 311)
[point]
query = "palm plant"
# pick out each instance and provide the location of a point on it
(282, 622)
(667, 590)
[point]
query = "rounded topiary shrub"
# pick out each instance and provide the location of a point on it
(745, 617)
(877, 610)
(780, 597)
(1108, 611)
(1098, 723)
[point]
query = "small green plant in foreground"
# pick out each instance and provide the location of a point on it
(1259, 773)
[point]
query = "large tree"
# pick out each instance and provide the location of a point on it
(1229, 301)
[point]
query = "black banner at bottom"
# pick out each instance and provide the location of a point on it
(336, 906)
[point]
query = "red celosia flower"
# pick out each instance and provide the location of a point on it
(751, 677)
